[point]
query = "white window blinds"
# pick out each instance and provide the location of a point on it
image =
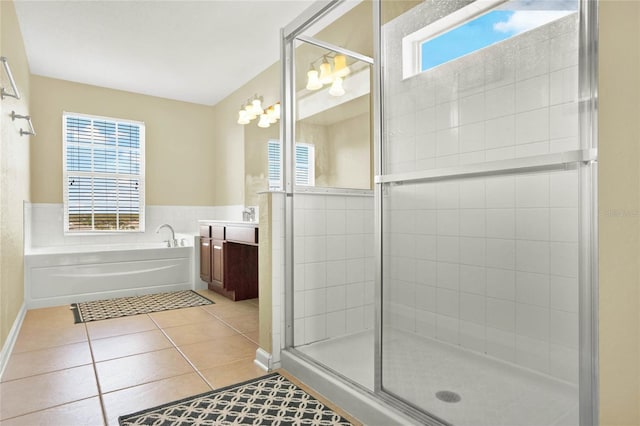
(103, 174)
(275, 166)
(305, 165)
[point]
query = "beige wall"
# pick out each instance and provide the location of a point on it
(265, 261)
(351, 147)
(238, 163)
(255, 159)
(180, 145)
(14, 171)
(619, 212)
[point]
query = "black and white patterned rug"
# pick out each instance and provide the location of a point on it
(135, 305)
(267, 400)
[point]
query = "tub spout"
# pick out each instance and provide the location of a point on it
(172, 242)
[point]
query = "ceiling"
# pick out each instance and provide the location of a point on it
(192, 51)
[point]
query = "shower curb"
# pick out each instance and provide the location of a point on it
(365, 408)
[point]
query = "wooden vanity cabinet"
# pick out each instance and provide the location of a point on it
(205, 253)
(229, 260)
(217, 258)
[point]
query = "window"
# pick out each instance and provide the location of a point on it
(103, 174)
(305, 165)
(476, 26)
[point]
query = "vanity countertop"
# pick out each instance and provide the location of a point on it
(229, 222)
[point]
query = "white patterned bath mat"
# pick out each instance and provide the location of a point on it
(268, 400)
(135, 305)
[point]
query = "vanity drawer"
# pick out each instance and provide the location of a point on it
(217, 232)
(205, 231)
(242, 234)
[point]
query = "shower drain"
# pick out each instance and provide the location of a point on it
(448, 396)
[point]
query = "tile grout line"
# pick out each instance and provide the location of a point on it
(95, 373)
(186, 358)
(46, 408)
(93, 362)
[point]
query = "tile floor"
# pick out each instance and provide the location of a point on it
(61, 373)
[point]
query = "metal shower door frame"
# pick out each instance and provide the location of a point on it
(585, 158)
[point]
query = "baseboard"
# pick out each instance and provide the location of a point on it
(263, 359)
(5, 353)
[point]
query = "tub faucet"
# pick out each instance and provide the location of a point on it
(249, 214)
(172, 242)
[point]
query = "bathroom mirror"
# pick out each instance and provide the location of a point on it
(333, 120)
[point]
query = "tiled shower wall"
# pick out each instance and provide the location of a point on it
(488, 264)
(515, 99)
(334, 265)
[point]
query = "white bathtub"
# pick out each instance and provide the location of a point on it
(66, 274)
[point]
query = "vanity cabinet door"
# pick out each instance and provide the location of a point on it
(216, 261)
(205, 259)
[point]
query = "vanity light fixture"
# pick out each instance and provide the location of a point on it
(340, 68)
(264, 121)
(253, 109)
(243, 116)
(336, 87)
(328, 75)
(313, 82)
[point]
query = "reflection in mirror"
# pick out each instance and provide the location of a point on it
(333, 126)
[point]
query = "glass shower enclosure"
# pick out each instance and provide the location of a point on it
(460, 290)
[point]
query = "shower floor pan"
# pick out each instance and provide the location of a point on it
(489, 392)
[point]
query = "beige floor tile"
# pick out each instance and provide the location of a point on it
(129, 344)
(25, 364)
(31, 339)
(149, 395)
(81, 413)
(215, 297)
(244, 323)
(220, 351)
(254, 302)
(177, 317)
(199, 332)
(230, 310)
(36, 393)
(57, 316)
(120, 326)
(254, 336)
(234, 372)
(138, 369)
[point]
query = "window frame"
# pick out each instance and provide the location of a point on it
(412, 44)
(140, 177)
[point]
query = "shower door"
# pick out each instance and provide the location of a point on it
(329, 193)
(484, 195)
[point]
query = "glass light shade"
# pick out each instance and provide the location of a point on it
(271, 114)
(277, 110)
(325, 72)
(264, 121)
(336, 87)
(313, 83)
(256, 106)
(340, 68)
(243, 117)
(248, 107)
